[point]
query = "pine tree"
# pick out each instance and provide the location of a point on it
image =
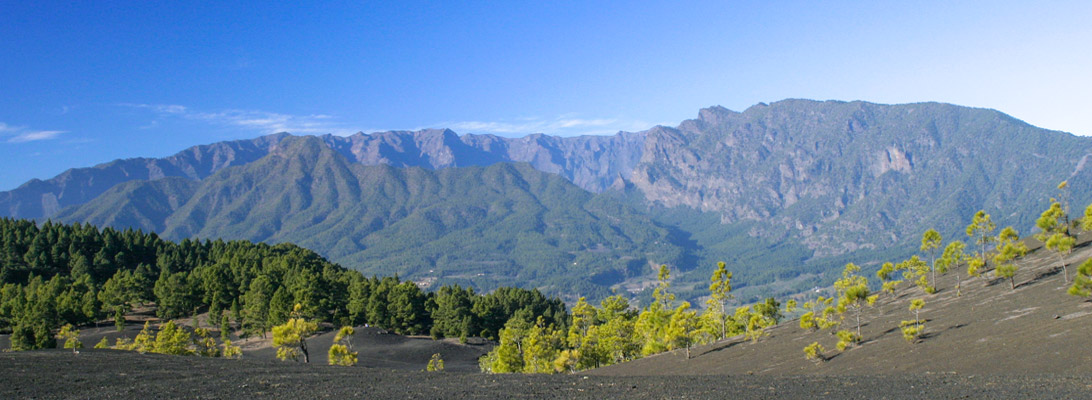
(754, 324)
(236, 312)
(119, 319)
(951, 258)
(1086, 222)
(853, 293)
(814, 352)
(617, 334)
(913, 329)
(290, 338)
(770, 309)
(653, 320)
(719, 293)
(256, 305)
(1055, 234)
(682, 327)
(71, 337)
(230, 351)
(172, 339)
(1082, 283)
(1009, 248)
(507, 356)
(225, 328)
(204, 344)
(930, 244)
(1063, 190)
(541, 347)
(846, 338)
(885, 273)
(580, 338)
(915, 270)
(341, 352)
(144, 341)
(435, 364)
(981, 230)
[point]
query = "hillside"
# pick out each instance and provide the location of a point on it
(501, 225)
(990, 330)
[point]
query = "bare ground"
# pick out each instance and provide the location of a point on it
(59, 374)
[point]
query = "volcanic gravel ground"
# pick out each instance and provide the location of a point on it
(53, 374)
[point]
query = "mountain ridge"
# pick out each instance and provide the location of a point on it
(795, 187)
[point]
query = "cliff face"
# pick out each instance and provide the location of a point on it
(591, 162)
(845, 176)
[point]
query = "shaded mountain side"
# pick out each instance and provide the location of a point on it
(991, 329)
(38, 199)
(143, 205)
(841, 177)
(505, 224)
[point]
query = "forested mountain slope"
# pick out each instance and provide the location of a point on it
(505, 224)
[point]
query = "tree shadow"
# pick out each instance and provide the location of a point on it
(932, 334)
(721, 348)
(888, 332)
(1041, 276)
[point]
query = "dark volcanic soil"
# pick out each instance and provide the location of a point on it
(52, 374)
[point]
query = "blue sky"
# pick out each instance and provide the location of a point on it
(86, 82)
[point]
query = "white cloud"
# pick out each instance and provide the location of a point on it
(261, 121)
(34, 136)
(20, 134)
(564, 125)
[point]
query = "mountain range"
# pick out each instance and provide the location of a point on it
(785, 192)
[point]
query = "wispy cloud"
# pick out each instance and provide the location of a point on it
(261, 121)
(34, 136)
(565, 125)
(20, 134)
